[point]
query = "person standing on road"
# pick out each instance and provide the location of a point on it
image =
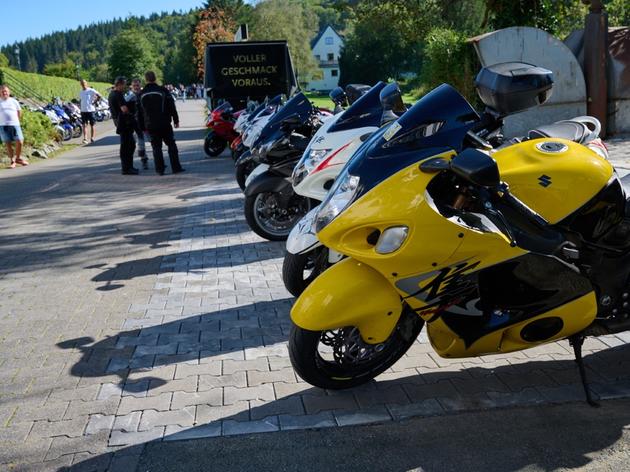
(132, 98)
(125, 125)
(89, 97)
(155, 110)
(10, 129)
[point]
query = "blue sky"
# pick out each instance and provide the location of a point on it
(34, 18)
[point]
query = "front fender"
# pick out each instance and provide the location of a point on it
(245, 157)
(349, 293)
(302, 237)
(266, 182)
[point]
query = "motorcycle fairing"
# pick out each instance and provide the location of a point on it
(297, 105)
(437, 246)
(557, 323)
(472, 304)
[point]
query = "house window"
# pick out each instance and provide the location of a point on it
(317, 57)
(334, 72)
(329, 39)
(331, 56)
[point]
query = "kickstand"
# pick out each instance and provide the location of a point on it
(577, 341)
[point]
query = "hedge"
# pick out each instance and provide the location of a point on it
(45, 86)
(449, 58)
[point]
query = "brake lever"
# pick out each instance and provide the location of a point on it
(500, 222)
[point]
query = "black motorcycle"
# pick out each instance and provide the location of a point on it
(271, 206)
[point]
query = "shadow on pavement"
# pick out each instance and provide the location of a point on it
(197, 338)
(225, 256)
(530, 436)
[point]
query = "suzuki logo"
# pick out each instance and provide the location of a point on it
(544, 180)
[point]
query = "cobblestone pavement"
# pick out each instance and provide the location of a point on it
(135, 309)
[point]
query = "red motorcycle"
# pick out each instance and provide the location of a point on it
(221, 132)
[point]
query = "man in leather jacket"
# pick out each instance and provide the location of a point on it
(154, 111)
(125, 124)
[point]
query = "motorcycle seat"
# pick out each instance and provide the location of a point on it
(571, 130)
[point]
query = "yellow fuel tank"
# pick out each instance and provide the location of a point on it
(554, 177)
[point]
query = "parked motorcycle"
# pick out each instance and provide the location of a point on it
(496, 247)
(331, 147)
(221, 133)
(271, 205)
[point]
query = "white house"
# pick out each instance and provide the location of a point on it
(326, 48)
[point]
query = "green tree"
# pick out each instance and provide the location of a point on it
(67, 69)
(387, 39)
(131, 54)
(618, 12)
(236, 10)
(97, 73)
(557, 17)
(4, 60)
(289, 20)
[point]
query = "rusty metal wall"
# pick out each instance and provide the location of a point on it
(618, 74)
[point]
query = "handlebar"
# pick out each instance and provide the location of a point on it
(524, 227)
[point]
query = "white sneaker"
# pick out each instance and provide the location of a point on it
(85, 141)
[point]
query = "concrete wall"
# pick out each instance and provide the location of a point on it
(526, 44)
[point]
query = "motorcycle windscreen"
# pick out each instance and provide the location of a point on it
(297, 105)
(224, 107)
(436, 124)
(366, 111)
(267, 107)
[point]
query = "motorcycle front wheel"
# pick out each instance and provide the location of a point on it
(339, 358)
(272, 220)
(213, 145)
(299, 270)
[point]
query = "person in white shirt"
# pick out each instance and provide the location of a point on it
(10, 129)
(89, 97)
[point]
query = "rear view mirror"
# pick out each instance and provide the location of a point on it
(338, 96)
(391, 98)
(476, 167)
(356, 91)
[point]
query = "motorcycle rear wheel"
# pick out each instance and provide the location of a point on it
(213, 145)
(299, 270)
(353, 361)
(77, 130)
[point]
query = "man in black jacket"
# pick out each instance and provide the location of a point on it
(154, 112)
(125, 124)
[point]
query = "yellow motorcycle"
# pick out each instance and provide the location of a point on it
(496, 246)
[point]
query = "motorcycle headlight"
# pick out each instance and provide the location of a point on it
(341, 195)
(308, 163)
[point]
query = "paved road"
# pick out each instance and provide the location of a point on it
(561, 437)
(141, 308)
